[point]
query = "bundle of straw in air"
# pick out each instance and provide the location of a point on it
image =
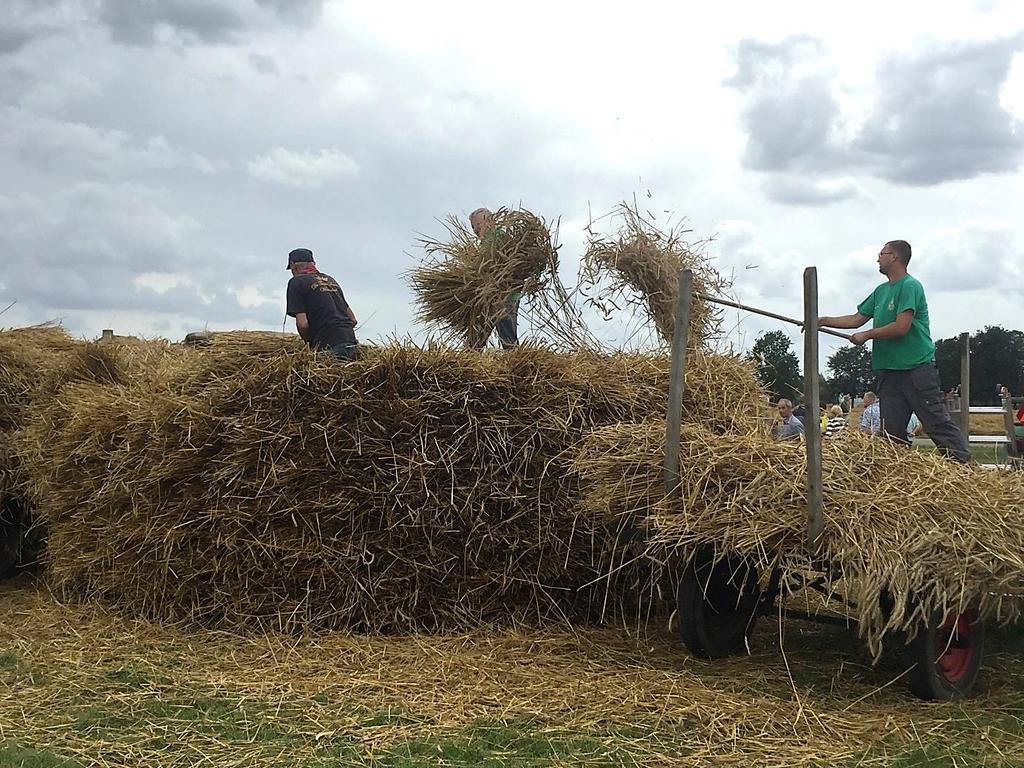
(463, 283)
(934, 534)
(639, 266)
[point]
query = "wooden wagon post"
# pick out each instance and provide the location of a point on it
(1008, 425)
(965, 384)
(812, 431)
(677, 383)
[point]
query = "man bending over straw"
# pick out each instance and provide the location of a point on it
(323, 317)
(491, 235)
(903, 354)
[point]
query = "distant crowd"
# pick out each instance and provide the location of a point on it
(835, 419)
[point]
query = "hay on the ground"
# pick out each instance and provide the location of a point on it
(462, 284)
(936, 534)
(639, 266)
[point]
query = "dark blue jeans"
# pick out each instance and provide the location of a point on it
(346, 351)
(348, 348)
(508, 326)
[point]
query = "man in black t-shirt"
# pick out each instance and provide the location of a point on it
(322, 316)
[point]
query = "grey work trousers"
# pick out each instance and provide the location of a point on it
(918, 391)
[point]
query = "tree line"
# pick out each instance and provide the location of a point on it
(997, 358)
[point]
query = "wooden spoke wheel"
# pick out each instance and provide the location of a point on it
(717, 604)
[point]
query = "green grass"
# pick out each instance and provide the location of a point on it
(14, 756)
(497, 745)
(982, 454)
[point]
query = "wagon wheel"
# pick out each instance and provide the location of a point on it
(716, 604)
(11, 535)
(947, 655)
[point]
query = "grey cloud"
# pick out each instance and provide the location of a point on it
(790, 112)
(265, 65)
(46, 143)
(975, 258)
(13, 39)
(808, 191)
(938, 115)
(23, 21)
(299, 11)
(90, 244)
(136, 21)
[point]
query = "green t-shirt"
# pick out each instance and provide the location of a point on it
(884, 303)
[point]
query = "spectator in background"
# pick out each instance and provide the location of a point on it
(787, 426)
(846, 404)
(836, 421)
(871, 418)
(914, 428)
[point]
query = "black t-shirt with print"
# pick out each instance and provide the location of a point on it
(321, 298)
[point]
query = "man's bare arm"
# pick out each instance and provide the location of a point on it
(302, 325)
(856, 320)
(897, 329)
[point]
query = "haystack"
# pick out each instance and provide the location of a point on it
(913, 523)
(33, 362)
(639, 265)
(414, 489)
(462, 284)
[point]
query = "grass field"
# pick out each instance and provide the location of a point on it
(83, 687)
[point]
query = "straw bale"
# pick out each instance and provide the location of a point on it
(640, 264)
(412, 489)
(913, 523)
(461, 285)
(28, 359)
(259, 343)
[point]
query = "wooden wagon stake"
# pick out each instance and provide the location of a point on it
(677, 383)
(812, 433)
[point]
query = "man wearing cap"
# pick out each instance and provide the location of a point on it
(322, 316)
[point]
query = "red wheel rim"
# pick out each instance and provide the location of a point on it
(956, 641)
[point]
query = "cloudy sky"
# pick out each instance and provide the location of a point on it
(160, 157)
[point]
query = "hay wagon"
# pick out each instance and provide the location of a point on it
(721, 594)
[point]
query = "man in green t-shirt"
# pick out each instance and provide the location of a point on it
(507, 327)
(903, 354)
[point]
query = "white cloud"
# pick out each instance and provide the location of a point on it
(302, 170)
(249, 296)
(349, 88)
(161, 282)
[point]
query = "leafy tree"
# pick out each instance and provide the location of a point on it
(997, 357)
(826, 392)
(776, 365)
(851, 371)
(947, 359)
